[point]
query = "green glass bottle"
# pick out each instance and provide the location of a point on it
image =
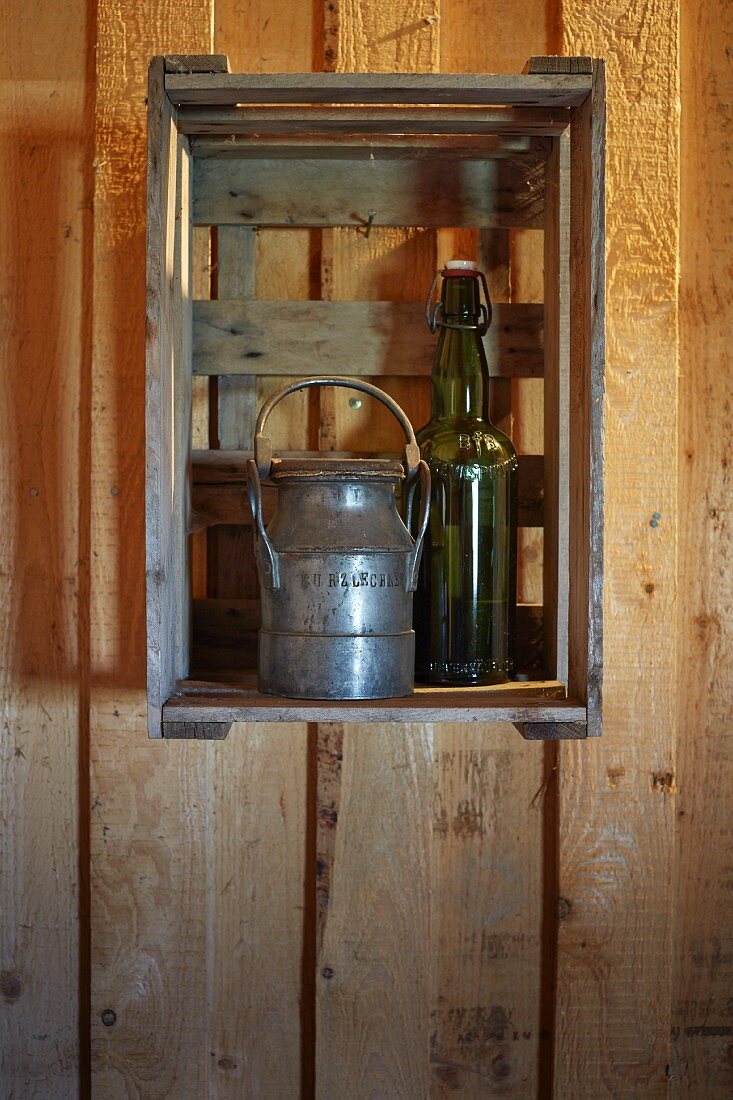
(465, 604)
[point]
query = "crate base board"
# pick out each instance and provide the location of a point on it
(539, 710)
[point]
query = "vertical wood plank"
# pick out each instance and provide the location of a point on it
(702, 1065)
(257, 920)
(486, 913)
(491, 814)
(45, 244)
(147, 801)
(260, 1001)
(616, 797)
(373, 968)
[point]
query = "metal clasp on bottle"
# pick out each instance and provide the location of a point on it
(432, 310)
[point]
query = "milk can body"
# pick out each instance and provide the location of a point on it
(337, 567)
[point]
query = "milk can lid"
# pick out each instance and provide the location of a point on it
(335, 466)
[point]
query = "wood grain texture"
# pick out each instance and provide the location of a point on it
(259, 1016)
(485, 913)
(168, 399)
(587, 353)
(375, 999)
(148, 802)
(371, 54)
(616, 816)
(371, 147)
(486, 906)
(702, 1063)
(45, 244)
(318, 192)
(356, 338)
(373, 987)
(320, 121)
(196, 63)
(256, 854)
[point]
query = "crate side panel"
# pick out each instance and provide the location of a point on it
(160, 314)
(587, 374)
(180, 614)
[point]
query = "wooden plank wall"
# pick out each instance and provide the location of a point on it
(45, 250)
(702, 1009)
(486, 917)
(616, 796)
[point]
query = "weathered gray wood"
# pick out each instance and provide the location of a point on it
(355, 338)
(196, 731)
(196, 63)
(555, 577)
(181, 322)
(216, 703)
(236, 397)
(555, 65)
(166, 516)
(558, 90)
(587, 386)
(219, 490)
(553, 731)
(540, 121)
(483, 193)
(373, 147)
(251, 706)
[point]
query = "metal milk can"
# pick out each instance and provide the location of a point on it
(337, 565)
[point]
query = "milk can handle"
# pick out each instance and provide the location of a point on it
(413, 562)
(263, 443)
(268, 561)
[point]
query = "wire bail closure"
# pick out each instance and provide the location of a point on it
(432, 311)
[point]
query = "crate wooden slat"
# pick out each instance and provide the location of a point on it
(514, 703)
(219, 490)
(318, 192)
(372, 147)
(487, 152)
(358, 338)
(529, 90)
(349, 121)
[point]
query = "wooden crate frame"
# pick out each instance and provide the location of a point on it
(266, 128)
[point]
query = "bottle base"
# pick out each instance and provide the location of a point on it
(428, 679)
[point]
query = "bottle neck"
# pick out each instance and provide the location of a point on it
(460, 378)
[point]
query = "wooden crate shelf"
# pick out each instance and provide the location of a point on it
(233, 154)
(537, 709)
